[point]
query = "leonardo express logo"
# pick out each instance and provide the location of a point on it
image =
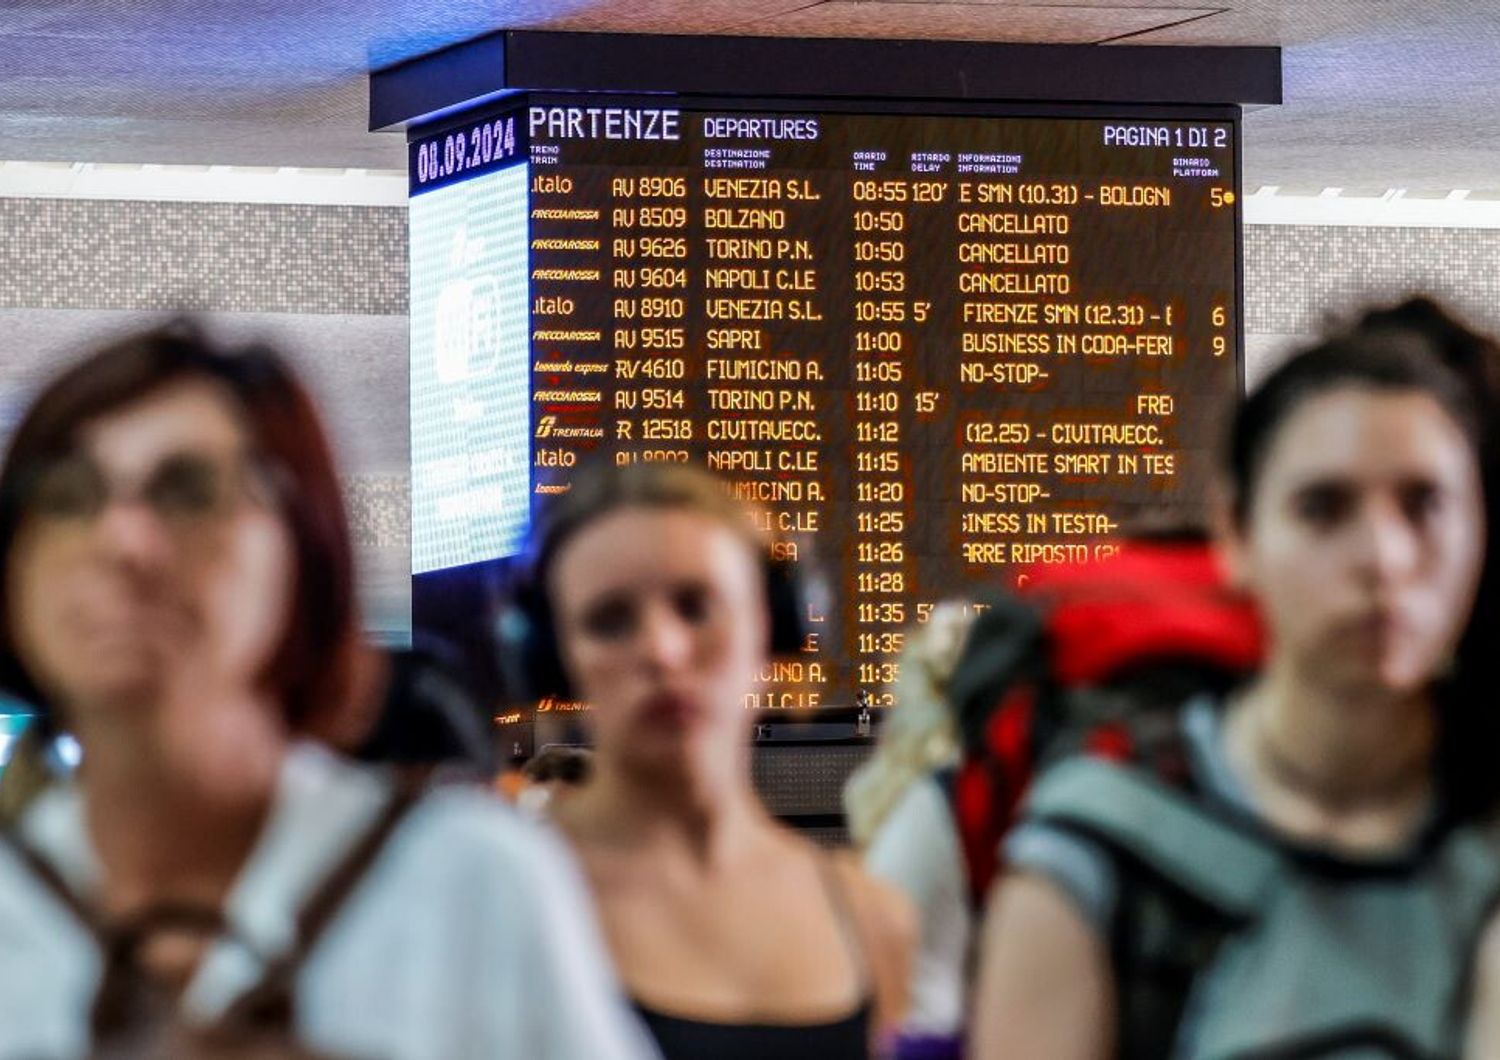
(548, 427)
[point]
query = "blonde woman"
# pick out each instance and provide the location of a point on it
(899, 817)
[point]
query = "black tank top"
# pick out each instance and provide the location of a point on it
(847, 1038)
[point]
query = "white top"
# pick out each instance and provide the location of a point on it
(471, 936)
(917, 849)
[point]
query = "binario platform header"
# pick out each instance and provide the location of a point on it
(932, 349)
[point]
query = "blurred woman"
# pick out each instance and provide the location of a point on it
(179, 596)
(899, 817)
(1315, 880)
(654, 599)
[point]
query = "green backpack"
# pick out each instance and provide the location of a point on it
(1229, 944)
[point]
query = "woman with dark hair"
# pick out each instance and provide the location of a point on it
(178, 596)
(1307, 869)
(654, 598)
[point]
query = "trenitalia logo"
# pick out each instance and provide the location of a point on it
(547, 427)
(548, 704)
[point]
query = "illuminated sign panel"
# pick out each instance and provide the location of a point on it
(933, 349)
(470, 391)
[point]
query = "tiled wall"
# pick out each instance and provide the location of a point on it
(1299, 277)
(326, 284)
(329, 285)
(214, 257)
(1295, 275)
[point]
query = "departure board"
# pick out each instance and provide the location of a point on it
(934, 350)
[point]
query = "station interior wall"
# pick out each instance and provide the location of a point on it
(328, 284)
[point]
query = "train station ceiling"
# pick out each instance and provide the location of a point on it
(1378, 94)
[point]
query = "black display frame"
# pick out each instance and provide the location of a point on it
(439, 596)
(509, 61)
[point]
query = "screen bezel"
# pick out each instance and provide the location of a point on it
(488, 575)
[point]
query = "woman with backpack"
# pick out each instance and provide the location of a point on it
(179, 597)
(1317, 876)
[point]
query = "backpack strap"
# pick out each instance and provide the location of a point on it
(126, 995)
(51, 880)
(269, 1004)
(1006, 645)
(1223, 865)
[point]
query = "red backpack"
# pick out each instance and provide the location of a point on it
(1094, 657)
